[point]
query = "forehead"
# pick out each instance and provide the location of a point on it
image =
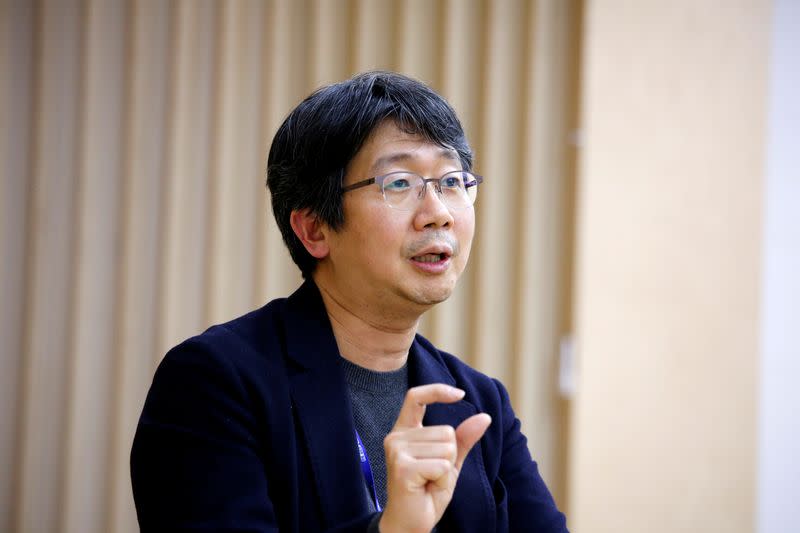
(389, 145)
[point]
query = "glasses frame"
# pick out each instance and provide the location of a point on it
(437, 185)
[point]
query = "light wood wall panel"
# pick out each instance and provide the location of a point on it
(667, 295)
(134, 210)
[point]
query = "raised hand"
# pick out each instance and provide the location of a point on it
(423, 463)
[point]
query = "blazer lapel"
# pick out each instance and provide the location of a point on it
(472, 507)
(322, 405)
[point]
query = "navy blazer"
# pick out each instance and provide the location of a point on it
(248, 427)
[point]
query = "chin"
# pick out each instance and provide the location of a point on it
(430, 296)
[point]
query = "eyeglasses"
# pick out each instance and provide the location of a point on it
(404, 190)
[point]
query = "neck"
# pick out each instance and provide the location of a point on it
(365, 338)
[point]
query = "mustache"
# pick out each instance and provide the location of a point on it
(429, 239)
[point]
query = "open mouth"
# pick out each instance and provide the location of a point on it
(430, 258)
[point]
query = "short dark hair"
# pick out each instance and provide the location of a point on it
(313, 146)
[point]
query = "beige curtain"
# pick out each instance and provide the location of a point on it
(133, 211)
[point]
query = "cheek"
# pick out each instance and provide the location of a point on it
(382, 236)
(465, 229)
(387, 242)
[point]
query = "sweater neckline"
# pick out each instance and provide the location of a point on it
(374, 381)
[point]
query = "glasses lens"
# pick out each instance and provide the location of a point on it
(401, 189)
(459, 189)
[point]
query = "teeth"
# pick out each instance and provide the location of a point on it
(429, 258)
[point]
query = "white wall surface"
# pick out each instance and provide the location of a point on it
(779, 426)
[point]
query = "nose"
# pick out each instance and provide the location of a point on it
(431, 210)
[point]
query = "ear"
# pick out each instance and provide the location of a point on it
(310, 231)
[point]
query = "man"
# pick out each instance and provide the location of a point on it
(326, 411)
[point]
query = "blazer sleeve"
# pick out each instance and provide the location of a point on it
(195, 463)
(531, 507)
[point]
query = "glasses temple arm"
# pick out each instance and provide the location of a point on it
(358, 185)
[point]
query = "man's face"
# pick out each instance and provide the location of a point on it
(403, 260)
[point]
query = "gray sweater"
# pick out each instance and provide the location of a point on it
(376, 398)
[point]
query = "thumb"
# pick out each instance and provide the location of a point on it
(468, 433)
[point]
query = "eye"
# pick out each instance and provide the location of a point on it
(452, 181)
(397, 184)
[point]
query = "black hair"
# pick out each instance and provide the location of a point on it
(313, 146)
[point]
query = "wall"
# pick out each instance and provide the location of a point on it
(669, 209)
(779, 398)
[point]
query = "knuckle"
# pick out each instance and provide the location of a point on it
(451, 450)
(390, 446)
(402, 467)
(390, 439)
(449, 433)
(443, 466)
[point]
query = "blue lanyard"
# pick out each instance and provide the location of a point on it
(367, 470)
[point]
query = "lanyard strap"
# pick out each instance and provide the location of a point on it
(367, 470)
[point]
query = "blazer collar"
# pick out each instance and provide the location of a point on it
(310, 340)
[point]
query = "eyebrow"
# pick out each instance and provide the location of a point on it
(390, 159)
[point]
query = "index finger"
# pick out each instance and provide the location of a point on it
(417, 398)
